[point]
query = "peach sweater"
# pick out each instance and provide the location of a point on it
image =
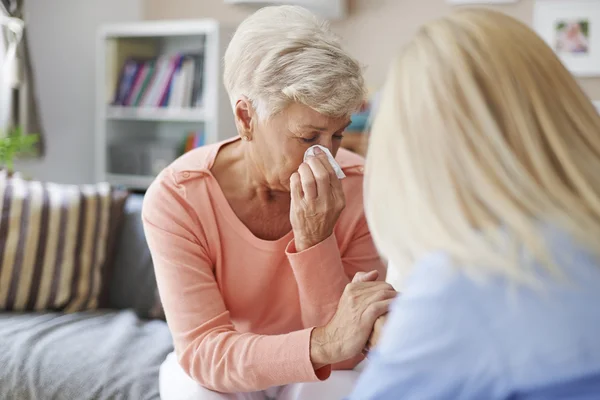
(241, 309)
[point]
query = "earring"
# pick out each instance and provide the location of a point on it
(246, 138)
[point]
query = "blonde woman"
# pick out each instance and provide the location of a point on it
(483, 184)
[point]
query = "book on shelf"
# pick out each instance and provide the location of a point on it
(173, 81)
(192, 141)
(117, 54)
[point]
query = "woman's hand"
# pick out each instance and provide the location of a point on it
(317, 201)
(376, 333)
(364, 300)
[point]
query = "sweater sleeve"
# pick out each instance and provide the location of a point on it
(322, 272)
(208, 347)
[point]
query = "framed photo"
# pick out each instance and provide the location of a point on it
(572, 29)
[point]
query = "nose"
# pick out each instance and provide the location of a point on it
(326, 141)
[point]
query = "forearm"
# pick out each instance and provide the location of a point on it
(230, 362)
(321, 280)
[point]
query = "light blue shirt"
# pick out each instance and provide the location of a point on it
(451, 338)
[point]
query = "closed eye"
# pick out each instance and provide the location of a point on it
(339, 135)
(309, 140)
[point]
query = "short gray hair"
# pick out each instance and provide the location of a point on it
(285, 54)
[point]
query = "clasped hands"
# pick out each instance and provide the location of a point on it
(356, 325)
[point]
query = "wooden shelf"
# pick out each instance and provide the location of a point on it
(156, 114)
(130, 181)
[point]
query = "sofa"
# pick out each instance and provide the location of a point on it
(111, 353)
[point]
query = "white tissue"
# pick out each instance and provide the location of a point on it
(336, 167)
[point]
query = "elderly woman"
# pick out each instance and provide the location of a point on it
(482, 176)
(255, 250)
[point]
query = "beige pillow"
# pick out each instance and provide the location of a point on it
(56, 244)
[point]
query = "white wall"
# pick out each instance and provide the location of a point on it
(373, 32)
(62, 39)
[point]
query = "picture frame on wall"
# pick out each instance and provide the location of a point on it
(572, 29)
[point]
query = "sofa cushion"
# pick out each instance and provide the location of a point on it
(133, 284)
(56, 244)
(91, 355)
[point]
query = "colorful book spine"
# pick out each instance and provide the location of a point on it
(167, 81)
(174, 66)
(142, 71)
(126, 81)
(193, 140)
(148, 78)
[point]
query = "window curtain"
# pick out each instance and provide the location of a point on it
(18, 105)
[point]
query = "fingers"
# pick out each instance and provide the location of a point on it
(307, 179)
(381, 320)
(366, 276)
(318, 177)
(376, 333)
(361, 295)
(296, 187)
(322, 171)
(333, 179)
(380, 295)
(321, 157)
(364, 293)
(377, 309)
(365, 289)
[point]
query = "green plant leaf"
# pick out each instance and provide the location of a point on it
(15, 143)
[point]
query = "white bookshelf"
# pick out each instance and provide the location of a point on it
(156, 114)
(129, 128)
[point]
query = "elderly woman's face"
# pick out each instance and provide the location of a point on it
(283, 140)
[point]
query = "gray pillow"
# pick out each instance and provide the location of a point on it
(133, 284)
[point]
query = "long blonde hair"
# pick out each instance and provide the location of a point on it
(481, 135)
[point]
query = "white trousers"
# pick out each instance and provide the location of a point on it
(175, 384)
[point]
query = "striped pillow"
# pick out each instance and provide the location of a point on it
(56, 243)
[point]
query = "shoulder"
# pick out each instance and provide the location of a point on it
(353, 166)
(194, 163)
(444, 309)
(432, 286)
(189, 166)
(439, 295)
(435, 264)
(170, 189)
(351, 163)
(353, 216)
